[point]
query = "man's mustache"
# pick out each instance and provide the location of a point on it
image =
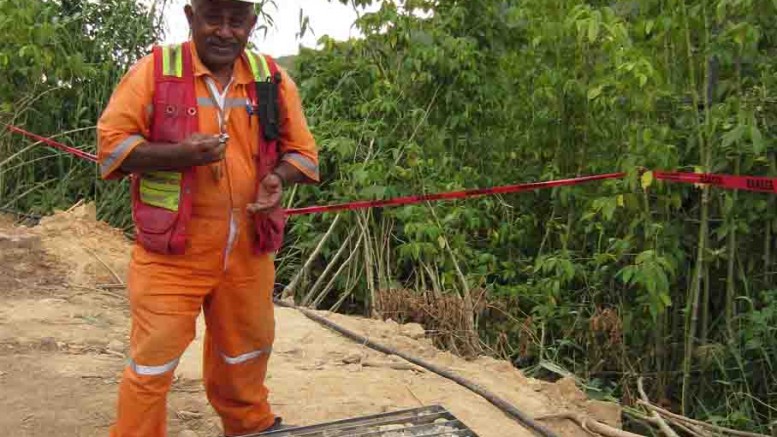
(222, 42)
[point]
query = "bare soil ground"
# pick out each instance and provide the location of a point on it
(63, 342)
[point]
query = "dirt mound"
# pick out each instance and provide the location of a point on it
(90, 251)
(6, 221)
(23, 262)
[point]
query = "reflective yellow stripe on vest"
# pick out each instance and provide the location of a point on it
(259, 66)
(161, 189)
(172, 61)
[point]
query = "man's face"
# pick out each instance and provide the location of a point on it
(220, 29)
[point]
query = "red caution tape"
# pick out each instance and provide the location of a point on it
(49, 142)
(506, 189)
(745, 183)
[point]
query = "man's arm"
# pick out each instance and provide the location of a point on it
(124, 125)
(152, 157)
(290, 174)
(199, 149)
(299, 154)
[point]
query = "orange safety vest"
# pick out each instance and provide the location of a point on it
(162, 200)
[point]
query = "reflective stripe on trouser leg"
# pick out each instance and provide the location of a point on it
(247, 356)
(153, 370)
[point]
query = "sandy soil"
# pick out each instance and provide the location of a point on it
(63, 342)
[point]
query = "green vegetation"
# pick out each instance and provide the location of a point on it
(609, 281)
(60, 62)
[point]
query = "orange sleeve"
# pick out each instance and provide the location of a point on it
(297, 145)
(124, 124)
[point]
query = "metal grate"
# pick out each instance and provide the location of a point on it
(434, 421)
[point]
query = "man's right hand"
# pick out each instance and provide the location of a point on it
(200, 149)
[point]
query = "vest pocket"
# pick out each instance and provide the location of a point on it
(161, 189)
(157, 197)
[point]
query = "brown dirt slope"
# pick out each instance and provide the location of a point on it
(63, 342)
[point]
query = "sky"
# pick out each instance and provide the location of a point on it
(333, 19)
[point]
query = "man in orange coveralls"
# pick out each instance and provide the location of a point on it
(219, 271)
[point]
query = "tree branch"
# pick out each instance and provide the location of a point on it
(657, 419)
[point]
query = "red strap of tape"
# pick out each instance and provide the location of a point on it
(745, 183)
(506, 189)
(57, 145)
(731, 182)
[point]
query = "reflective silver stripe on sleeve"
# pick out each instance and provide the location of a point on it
(303, 161)
(246, 357)
(153, 370)
(119, 152)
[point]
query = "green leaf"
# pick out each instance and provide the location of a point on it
(758, 140)
(733, 136)
(593, 93)
(753, 344)
(608, 207)
(593, 30)
(374, 192)
(628, 273)
(646, 180)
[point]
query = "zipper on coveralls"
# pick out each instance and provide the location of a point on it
(220, 100)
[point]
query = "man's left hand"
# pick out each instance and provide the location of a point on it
(269, 194)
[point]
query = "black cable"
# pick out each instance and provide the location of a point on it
(500, 403)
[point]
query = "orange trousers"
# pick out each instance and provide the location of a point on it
(233, 287)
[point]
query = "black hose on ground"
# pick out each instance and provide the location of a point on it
(500, 403)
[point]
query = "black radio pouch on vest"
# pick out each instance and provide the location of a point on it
(267, 93)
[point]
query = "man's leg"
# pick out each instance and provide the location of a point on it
(164, 308)
(241, 330)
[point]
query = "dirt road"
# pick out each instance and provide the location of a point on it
(63, 343)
